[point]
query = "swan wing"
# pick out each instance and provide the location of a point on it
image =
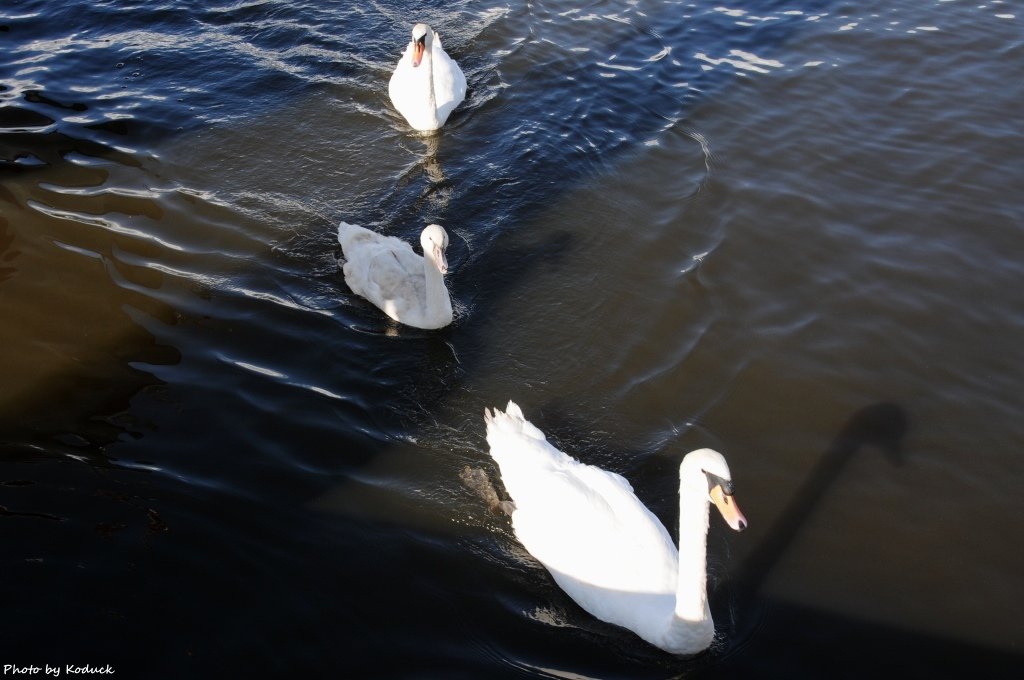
(585, 525)
(408, 90)
(384, 270)
(402, 83)
(449, 81)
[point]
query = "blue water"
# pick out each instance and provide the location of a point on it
(787, 230)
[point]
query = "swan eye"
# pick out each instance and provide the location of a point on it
(714, 480)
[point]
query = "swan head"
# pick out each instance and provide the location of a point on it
(422, 39)
(434, 240)
(707, 472)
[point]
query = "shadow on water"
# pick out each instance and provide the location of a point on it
(7, 252)
(799, 640)
(882, 426)
(74, 357)
(73, 353)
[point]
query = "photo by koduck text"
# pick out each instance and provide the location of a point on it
(58, 671)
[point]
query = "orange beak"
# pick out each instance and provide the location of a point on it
(727, 506)
(440, 259)
(417, 52)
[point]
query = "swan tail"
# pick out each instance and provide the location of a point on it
(509, 424)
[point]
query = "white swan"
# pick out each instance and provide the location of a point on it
(385, 270)
(602, 546)
(426, 84)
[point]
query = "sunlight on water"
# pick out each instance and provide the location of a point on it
(743, 61)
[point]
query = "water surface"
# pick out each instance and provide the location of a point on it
(789, 231)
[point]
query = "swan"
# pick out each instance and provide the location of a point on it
(427, 84)
(385, 270)
(606, 550)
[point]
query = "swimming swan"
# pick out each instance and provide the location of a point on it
(385, 270)
(606, 550)
(426, 84)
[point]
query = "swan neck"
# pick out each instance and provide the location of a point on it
(691, 595)
(436, 293)
(428, 64)
(692, 624)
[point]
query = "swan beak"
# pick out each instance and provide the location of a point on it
(441, 260)
(417, 51)
(727, 506)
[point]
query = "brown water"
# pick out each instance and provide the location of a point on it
(789, 232)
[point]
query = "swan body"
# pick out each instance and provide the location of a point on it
(426, 84)
(606, 550)
(385, 270)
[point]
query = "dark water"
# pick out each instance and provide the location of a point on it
(788, 230)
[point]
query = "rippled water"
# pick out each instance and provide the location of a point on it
(788, 230)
